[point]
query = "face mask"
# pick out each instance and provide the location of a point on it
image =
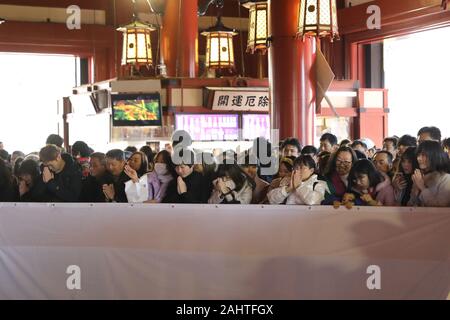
(161, 169)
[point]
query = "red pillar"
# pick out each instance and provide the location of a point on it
(307, 92)
(291, 74)
(180, 38)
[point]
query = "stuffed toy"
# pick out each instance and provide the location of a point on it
(348, 200)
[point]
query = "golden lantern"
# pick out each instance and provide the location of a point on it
(219, 46)
(258, 25)
(318, 18)
(137, 46)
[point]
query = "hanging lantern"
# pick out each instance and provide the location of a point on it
(219, 46)
(318, 18)
(137, 47)
(258, 25)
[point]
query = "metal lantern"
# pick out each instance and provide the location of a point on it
(258, 25)
(318, 18)
(219, 46)
(137, 46)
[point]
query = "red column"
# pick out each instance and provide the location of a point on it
(180, 38)
(307, 91)
(291, 74)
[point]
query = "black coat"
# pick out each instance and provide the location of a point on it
(197, 188)
(208, 187)
(119, 186)
(8, 193)
(8, 187)
(37, 192)
(92, 188)
(66, 185)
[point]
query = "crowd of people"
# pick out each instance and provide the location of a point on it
(405, 171)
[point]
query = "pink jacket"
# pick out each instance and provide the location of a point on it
(385, 193)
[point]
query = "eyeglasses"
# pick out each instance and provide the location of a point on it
(340, 161)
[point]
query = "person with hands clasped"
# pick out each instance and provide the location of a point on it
(98, 175)
(233, 185)
(61, 175)
(151, 186)
(304, 186)
(187, 187)
(114, 189)
(431, 182)
(31, 186)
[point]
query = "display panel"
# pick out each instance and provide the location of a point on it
(136, 109)
(207, 127)
(255, 126)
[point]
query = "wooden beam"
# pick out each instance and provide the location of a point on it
(83, 4)
(37, 33)
(424, 23)
(354, 19)
(92, 41)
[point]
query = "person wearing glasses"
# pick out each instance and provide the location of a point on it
(336, 174)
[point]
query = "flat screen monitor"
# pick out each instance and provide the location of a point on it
(209, 127)
(136, 109)
(255, 126)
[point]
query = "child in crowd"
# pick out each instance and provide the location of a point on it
(369, 186)
(304, 186)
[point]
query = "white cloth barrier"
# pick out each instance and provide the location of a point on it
(160, 251)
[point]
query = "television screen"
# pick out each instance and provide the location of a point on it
(136, 109)
(255, 126)
(208, 127)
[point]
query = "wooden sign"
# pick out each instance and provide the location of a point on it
(239, 100)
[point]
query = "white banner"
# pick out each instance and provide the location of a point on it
(124, 251)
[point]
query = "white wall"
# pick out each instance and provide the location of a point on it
(417, 74)
(30, 86)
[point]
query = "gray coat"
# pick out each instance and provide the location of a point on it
(436, 193)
